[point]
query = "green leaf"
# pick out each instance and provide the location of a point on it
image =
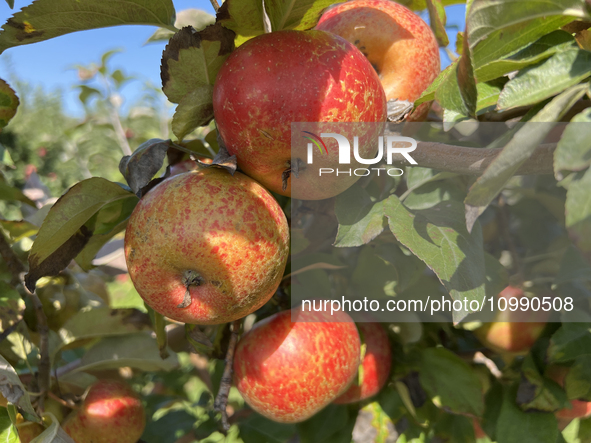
(159, 326)
(87, 92)
(195, 109)
(10, 193)
(138, 351)
(101, 322)
(438, 236)
(537, 392)
(429, 93)
(546, 79)
(578, 200)
(247, 18)
(8, 432)
(504, 42)
(196, 18)
(10, 3)
(437, 20)
(18, 229)
(522, 144)
(573, 267)
(486, 17)
(573, 152)
(92, 206)
(360, 219)
(190, 64)
(571, 341)
(457, 91)
(450, 382)
(515, 425)
(331, 425)
(290, 14)
(256, 429)
(54, 433)
(8, 103)
(45, 19)
(578, 379)
(538, 51)
(13, 390)
(139, 167)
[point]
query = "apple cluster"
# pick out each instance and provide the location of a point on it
(225, 254)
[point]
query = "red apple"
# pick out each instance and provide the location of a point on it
(398, 43)
(206, 247)
(513, 332)
(376, 364)
(284, 77)
(187, 165)
(289, 371)
(111, 413)
(578, 409)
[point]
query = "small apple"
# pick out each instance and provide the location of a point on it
(399, 44)
(206, 247)
(375, 365)
(513, 332)
(289, 371)
(578, 409)
(28, 431)
(111, 413)
(285, 77)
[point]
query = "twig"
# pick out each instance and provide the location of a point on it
(61, 401)
(215, 5)
(506, 233)
(221, 400)
(479, 357)
(474, 161)
(17, 270)
(9, 330)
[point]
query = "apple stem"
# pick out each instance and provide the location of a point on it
(293, 168)
(221, 400)
(190, 278)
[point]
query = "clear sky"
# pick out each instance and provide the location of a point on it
(49, 63)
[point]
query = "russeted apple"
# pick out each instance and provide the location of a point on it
(578, 408)
(375, 367)
(286, 77)
(206, 247)
(398, 43)
(111, 413)
(288, 371)
(513, 332)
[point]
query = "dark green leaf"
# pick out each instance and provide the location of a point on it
(543, 80)
(578, 200)
(573, 152)
(45, 19)
(537, 392)
(326, 426)
(522, 144)
(486, 17)
(195, 109)
(515, 425)
(139, 167)
(196, 18)
(437, 20)
(13, 390)
(86, 92)
(93, 205)
(8, 103)
(10, 3)
(573, 267)
(258, 429)
(9, 193)
(571, 341)
(578, 379)
(450, 382)
(289, 14)
(360, 219)
(438, 236)
(538, 51)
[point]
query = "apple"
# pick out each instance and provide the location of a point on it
(111, 413)
(187, 165)
(513, 332)
(578, 408)
(28, 431)
(206, 247)
(288, 371)
(375, 365)
(285, 77)
(399, 44)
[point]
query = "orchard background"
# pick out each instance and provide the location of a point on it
(525, 60)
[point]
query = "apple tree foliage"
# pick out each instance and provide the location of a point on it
(526, 60)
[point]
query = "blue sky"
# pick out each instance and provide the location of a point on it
(48, 63)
